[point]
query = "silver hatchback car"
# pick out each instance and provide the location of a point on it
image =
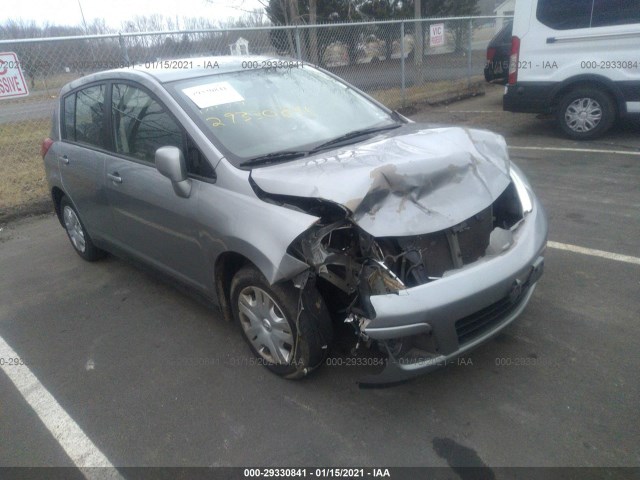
(295, 202)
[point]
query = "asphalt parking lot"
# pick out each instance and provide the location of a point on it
(149, 376)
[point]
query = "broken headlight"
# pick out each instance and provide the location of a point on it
(523, 192)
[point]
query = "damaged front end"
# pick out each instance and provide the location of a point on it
(408, 262)
(354, 270)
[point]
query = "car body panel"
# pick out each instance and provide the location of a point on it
(410, 181)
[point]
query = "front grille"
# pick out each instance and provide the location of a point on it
(484, 320)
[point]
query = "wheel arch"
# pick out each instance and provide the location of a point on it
(226, 266)
(591, 81)
(228, 263)
(56, 196)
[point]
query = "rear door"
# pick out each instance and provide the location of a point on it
(152, 222)
(81, 156)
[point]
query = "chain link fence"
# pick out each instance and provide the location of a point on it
(385, 59)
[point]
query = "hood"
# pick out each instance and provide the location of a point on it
(410, 181)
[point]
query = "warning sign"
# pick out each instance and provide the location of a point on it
(12, 82)
(436, 35)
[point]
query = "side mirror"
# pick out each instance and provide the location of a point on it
(170, 163)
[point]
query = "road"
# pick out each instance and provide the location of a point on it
(152, 377)
(26, 109)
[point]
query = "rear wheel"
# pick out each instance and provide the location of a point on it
(80, 239)
(585, 113)
(287, 339)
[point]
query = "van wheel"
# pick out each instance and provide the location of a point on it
(585, 113)
(288, 340)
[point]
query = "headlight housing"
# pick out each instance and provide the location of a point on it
(523, 193)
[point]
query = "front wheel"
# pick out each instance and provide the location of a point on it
(288, 330)
(585, 113)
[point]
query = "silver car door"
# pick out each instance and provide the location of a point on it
(152, 222)
(81, 157)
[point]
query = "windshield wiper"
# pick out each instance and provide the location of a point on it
(355, 134)
(293, 154)
(274, 157)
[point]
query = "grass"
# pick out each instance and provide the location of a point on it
(22, 177)
(429, 93)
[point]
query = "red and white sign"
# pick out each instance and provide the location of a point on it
(436, 35)
(12, 82)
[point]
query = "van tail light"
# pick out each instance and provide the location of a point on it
(45, 146)
(491, 52)
(514, 60)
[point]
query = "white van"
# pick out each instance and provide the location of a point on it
(577, 59)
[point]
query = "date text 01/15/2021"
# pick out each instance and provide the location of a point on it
(317, 472)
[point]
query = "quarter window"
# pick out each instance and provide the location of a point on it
(84, 116)
(140, 124)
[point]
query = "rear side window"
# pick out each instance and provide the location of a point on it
(140, 124)
(615, 12)
(569, 14)
(565, 14)
(84, 116)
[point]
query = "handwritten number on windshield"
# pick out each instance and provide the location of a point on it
(239, 118)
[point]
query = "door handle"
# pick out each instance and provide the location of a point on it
(115, 177)
(64, 159)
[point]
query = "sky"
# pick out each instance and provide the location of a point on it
(114, 12)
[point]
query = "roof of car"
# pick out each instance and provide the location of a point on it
(169, 70)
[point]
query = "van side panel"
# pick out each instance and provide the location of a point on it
(552, 59)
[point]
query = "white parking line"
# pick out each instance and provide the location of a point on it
(579, 150)
(594, 253)
(473, 111)
(82, 451)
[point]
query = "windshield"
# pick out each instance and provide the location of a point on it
(253, 113)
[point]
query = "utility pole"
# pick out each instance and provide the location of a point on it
(313, 33)
(419, 37)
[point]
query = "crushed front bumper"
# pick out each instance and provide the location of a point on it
(464, 309)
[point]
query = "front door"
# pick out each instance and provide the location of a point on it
(152, 222)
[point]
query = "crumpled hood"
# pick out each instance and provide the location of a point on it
(409, 181)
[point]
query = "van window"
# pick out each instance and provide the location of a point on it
(615, 12)
(570, 14)
(565, 14)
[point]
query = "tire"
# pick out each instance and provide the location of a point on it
(77, 233)
(269, 320)
(585, 113)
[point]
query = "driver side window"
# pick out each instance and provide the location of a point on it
(140, 124)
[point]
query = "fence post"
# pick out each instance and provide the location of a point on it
(402, 62)
(123, 50)
(298, 51)
(469, 61)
